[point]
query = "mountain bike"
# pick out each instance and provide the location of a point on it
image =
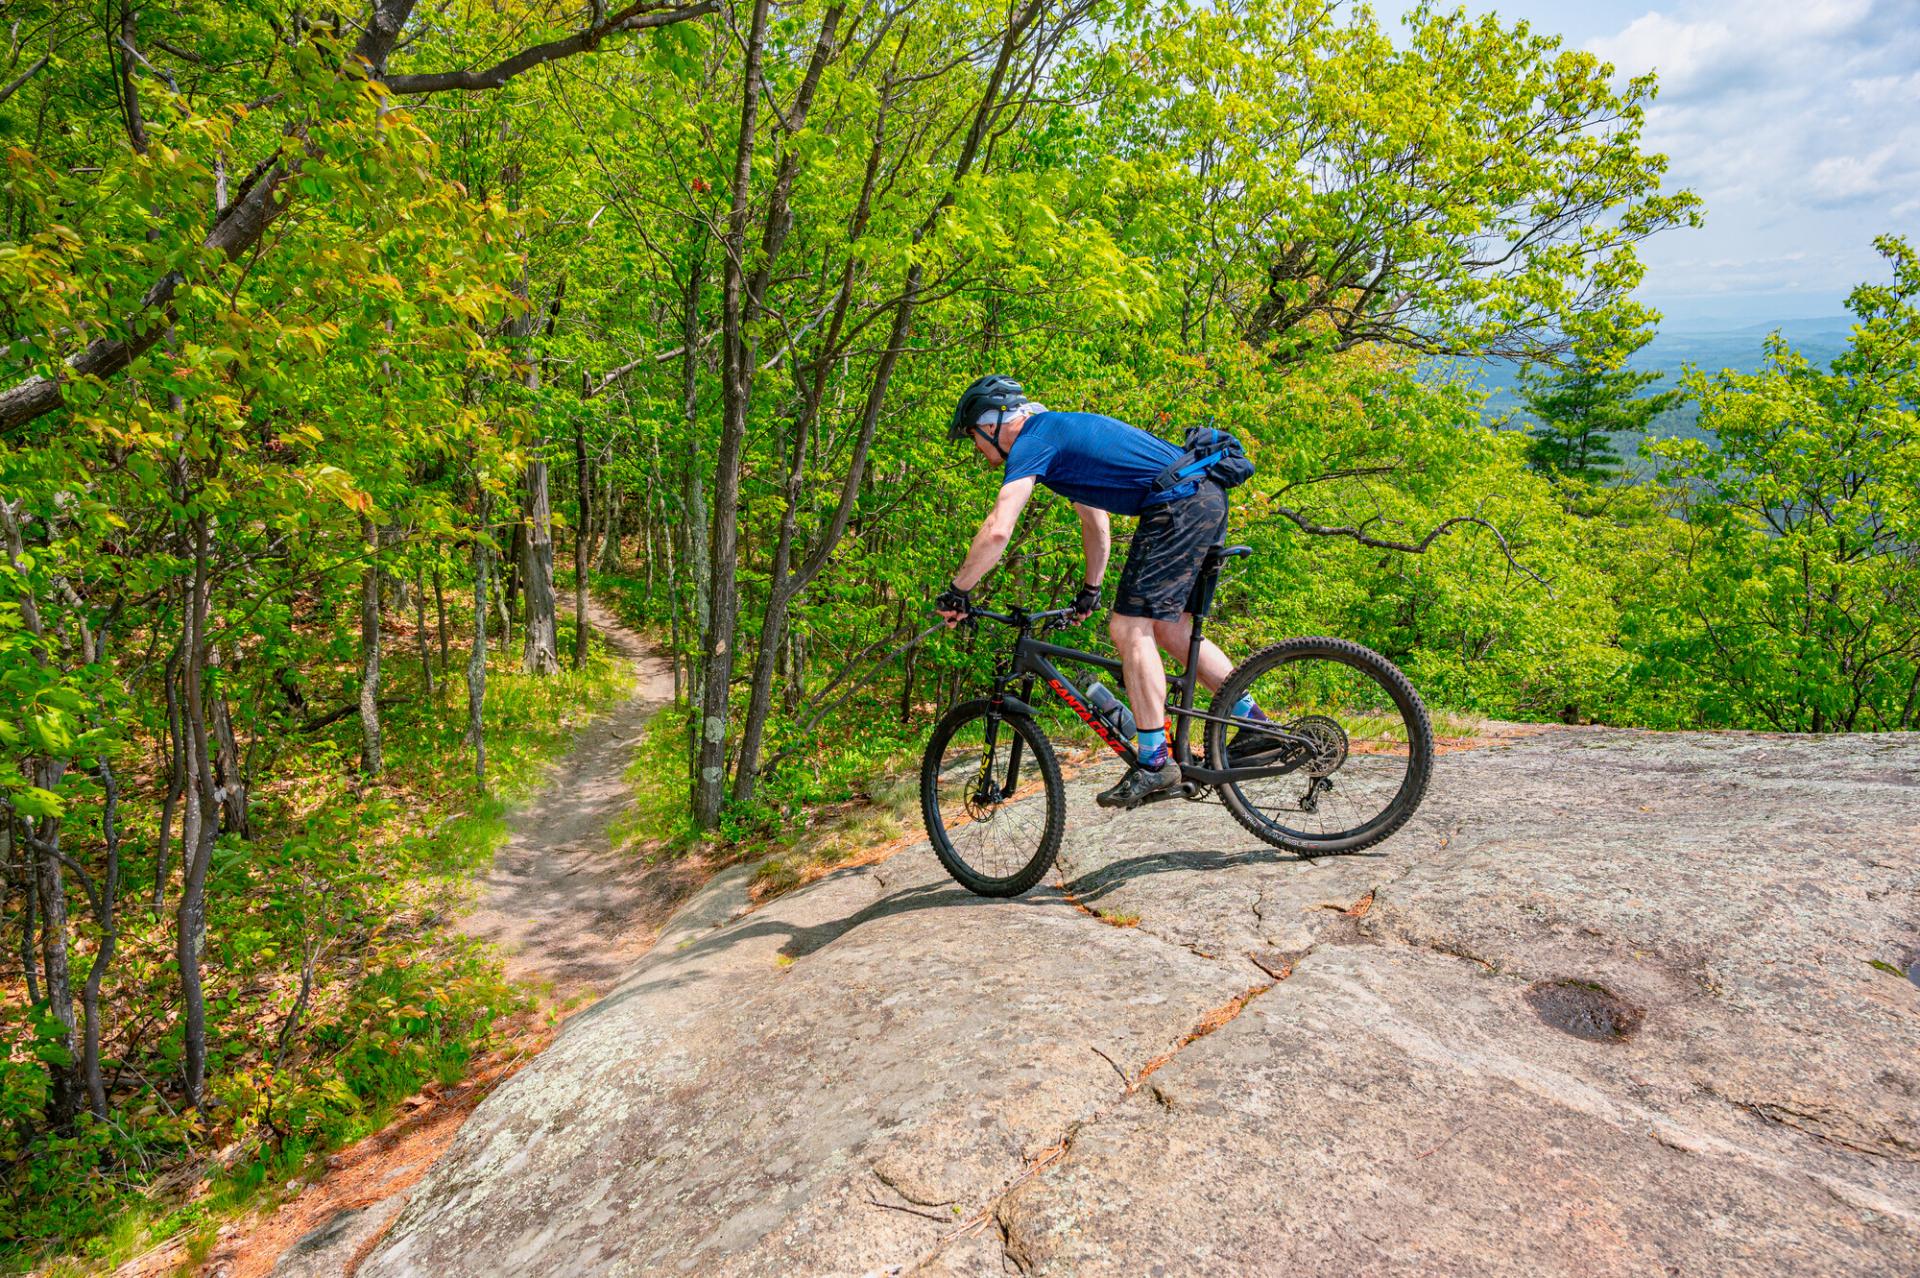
(1339, 764)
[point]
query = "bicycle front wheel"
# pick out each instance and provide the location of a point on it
(993, 798)
(1355, 746)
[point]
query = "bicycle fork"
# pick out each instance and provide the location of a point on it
(985, 788)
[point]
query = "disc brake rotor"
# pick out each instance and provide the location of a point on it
(983, 795)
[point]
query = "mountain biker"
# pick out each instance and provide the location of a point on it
(1105, 466)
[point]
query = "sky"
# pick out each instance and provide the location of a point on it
(1796, 121)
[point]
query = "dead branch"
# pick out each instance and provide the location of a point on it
(1358, 533)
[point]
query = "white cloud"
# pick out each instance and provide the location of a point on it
(1699, 55)
(1887, 90)
(1795, 122)
(1839, 179)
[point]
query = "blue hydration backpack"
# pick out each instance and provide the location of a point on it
(1211, 452)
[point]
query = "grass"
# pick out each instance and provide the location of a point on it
(656, 822)
(398, 1000)
(852, 832)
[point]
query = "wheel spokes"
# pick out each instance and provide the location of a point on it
(1361, 743)
(989, 823)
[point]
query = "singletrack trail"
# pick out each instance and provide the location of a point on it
(571, 916)
(561, 903)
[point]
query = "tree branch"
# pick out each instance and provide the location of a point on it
(15, 84)
(1357, 533)
(825, 703)
(334, 716)
(268, 193)
(635, 17)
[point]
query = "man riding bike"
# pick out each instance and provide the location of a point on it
(1105, 466)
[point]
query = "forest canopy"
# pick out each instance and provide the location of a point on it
(336, 347)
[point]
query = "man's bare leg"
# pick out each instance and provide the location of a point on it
(1146, 680)
(1141, 668)
(1174, 636)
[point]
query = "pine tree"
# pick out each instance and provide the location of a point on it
(1580, 409)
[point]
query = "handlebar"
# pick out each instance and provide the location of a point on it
(1054, 618)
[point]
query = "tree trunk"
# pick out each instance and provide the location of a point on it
(176, 777)
(229, 774)
(760, 701)
(440, 616)
(906, 684)
(540, 653)
(796, 669)
(513, 573)
(56, 970)
(198, 826)
(14, 854)
(477, 659)
(582, 543)
(42, 872)
(540, 635)
(647, 555)
(370, 761)
(610, 534)
(420, 632)
(502, 591)
(736, 390)
(109, 938)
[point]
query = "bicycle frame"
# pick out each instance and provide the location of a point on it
(1033, 660)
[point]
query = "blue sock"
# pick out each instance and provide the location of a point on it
(1244, 708)
(1153, 747)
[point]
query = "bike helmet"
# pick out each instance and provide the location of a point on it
(989, 393)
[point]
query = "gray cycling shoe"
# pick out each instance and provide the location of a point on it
(1251, 743)
(1139, 785)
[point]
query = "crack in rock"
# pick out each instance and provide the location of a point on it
(1878, 1143)
(898, 1184)
(1211, 1021)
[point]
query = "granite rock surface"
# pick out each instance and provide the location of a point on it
(1614, 1003)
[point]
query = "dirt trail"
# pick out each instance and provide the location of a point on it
(569, 912)
(562, 904)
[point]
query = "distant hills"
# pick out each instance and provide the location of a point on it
(1819, 338)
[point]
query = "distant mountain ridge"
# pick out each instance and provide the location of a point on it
(1820, 338)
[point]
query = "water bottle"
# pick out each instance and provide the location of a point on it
(1111, 709)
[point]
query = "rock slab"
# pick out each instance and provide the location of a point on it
(1614, 1003)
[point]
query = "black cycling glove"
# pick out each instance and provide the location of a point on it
(1086, 602)
(953, 599)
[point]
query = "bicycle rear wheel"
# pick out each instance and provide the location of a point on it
(993, 799)
(1358, 746)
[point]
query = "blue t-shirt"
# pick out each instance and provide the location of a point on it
(1094, 460)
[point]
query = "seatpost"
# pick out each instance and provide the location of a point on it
(1203, 592)
(1202, 605)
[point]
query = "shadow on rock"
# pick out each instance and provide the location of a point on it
(1091, 885)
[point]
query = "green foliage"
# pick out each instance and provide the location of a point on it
(354, 878)
(1795, 600)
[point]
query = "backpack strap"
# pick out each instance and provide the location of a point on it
(1202, 466)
